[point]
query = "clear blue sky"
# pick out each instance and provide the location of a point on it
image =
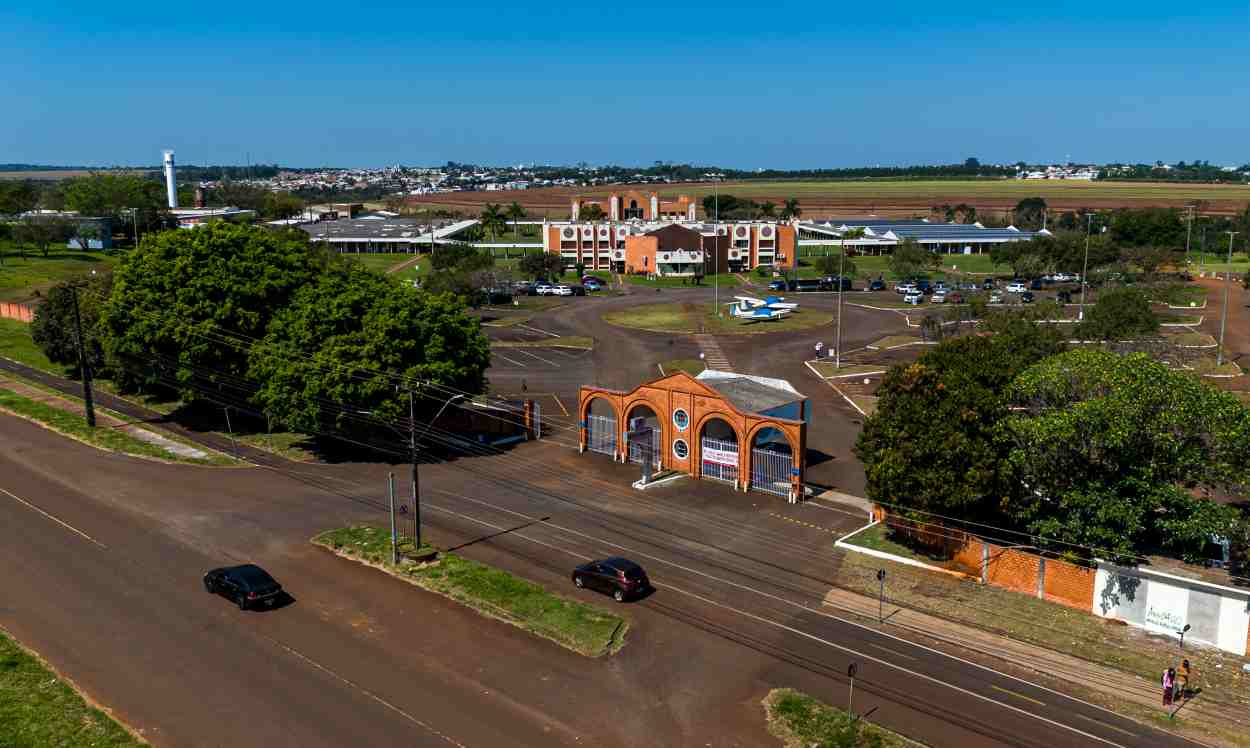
(782, 83)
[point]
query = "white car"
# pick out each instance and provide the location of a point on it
(1063, 277)
(939, 296)
(915, 297)
(543, 289)
(1017, 287)
(561, 290)
(905, 288)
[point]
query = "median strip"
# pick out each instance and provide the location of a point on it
(585, 629)
(799, 721)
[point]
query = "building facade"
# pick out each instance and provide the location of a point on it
(683, 248)
(633, 205)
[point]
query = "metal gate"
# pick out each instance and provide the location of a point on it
(538, 421)
(643, 442)
(770, 471)
(720, 460)
(601, 434)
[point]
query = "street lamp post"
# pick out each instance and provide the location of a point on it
(412, 448)
(1089, 222)
(1189, 232)
(1228, 274)
(716, 232)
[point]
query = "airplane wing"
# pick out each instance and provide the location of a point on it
(750, 300)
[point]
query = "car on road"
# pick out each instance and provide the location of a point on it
(777, 285)
(877, 285)
(1026, 297)
(1017, 287)
(561, 290)
(616, 576)
(915, 297)
(542, 289)
(248, 585)
(939, 296)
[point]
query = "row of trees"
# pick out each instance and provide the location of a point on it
(1073, 448)
(311, 339)
(730, 208)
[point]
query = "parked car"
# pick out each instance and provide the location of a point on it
(593, 285)
(1065, 297)
(542, 289)
(924, 286)
(808, 284)
(905, 288)
(969, 286)
(1026, 297)
(996, 297)
(915, 297)
(940, 286)
(588, 278)
(834, 282)
(248, 586)
(954, 297)
(562, 290)
(578, 290)
(1064, 277)
(877, 285)
(618, 577)
(777, 285)
(987, 284)
(1016, 287)
(939, 296)
(1035, 284)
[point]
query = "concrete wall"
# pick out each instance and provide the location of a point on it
(1165, 603)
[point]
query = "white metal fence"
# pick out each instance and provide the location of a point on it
(770, 471)
(601, 434)
(720, 460)
(538, 421)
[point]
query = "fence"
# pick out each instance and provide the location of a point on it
(601, 434)
(720, 460)
(645, 443)
(19, 312)
(770, 471)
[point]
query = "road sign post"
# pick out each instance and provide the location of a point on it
(881, 597)
(850, 699)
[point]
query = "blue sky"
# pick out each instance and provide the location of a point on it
(778, 84)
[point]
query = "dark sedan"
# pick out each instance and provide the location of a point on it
(248, 586)
(618, 577)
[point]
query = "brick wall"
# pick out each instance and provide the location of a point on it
(1069, 584)
(19, 312)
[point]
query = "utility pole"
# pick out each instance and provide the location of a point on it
(83, 367)
(1089, 223)
(1189, 232)
(1228, 274)
(837, 343)
(716, 229)
(390, 491)
(412, 453)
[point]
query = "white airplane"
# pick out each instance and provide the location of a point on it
(743, 310)
(772, 302)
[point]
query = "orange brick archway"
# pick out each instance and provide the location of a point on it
(701, 404)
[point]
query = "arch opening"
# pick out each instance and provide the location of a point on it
(772, 458)
(645, 436)
(718, 450)
(601, 426)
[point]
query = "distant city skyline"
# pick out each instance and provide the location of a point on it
(794, 84)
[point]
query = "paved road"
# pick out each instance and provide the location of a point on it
(105, 554)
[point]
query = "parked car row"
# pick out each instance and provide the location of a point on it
(543, 288)
(800, 285)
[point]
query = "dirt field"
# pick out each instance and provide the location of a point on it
(889, 198)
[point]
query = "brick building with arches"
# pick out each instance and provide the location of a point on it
(747, 431)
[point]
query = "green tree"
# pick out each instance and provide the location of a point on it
(721, 205)
(1030, 213)
(790, 210)
(515, 213)
(492, 220)
(53, 329)
(910, 257)
(185, 304)
(1151, 258)
(934, 443)
(354, 340)
(833, 264)
(593, 212)
(540, 265)
(768, 209)
(461, 270)
(110, 194)
(279, 205)
(17, 197)
(1144, 227)
(1119, 314)
(1111, 447)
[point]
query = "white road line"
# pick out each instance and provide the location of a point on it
(791, 603)
(761, 619)
(540, 358)
(505, 358)
(60, 522)
(1104, 724)
(544, 332)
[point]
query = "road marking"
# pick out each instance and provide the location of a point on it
(1018, 695)
(505, 358)
(891, 651)
(563, 409)
(544, 332)
(791, 629)
(804, 524)
(1104, 724)
(840, 510)
(352, 684)
(60, 522)
(531, 355)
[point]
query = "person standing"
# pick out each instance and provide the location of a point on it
(1182, 680)
(1169, 682)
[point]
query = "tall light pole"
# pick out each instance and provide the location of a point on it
(1189, 232)
(1089, 222)
(1228, 274)
(412, 448)
(837, 342)
(716, 231)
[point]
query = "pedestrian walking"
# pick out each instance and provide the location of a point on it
(1182, 680)
(523, 387)
(1169, 683)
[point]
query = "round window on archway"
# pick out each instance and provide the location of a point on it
(681, 419)
(680, 449)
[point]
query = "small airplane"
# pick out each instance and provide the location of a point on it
(771, 302)
(745, 311)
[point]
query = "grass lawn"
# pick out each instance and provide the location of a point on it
(585, 629)
(800, 721)
(24, 279)
(37, 709)
(380, 261)
(569, 341)
(699, 318)
(15, 343)
(691, 366)
(867, 266)
(877, 538)
(1193, 340)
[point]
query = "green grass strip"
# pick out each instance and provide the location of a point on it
(38, 709)
(800, 721)
(585, 629)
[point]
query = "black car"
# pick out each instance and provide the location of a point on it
(808, 284)
(1026, 297)
(834, 282)
(923, 286)
(777, 285)
(618, 577)
(1035, 284)
(578, 290)
(987, 284)
(877, 285)
(247, 585)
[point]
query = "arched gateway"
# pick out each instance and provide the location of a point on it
(748, 431)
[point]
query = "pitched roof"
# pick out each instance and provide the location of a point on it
(750, 395)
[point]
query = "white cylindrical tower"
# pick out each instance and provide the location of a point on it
(171, 188)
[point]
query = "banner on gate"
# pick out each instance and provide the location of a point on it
(721, 456)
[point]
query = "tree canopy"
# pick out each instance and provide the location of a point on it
(540, 265)
(53, 330)
(1119, 314)
(910, 257)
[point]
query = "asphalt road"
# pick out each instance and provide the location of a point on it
(103, 558)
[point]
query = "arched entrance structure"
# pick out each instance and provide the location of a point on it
(748, 431)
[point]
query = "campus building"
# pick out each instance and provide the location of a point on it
(635, 206)
(683, 248)
(880, 235)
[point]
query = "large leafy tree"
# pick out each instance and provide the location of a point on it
(1030, 213)
(53, 328)
(17, 197)
(934, 443)
(910, 257)
(459, 269)
(354, 341)
(492, 220)
(116, 195)
(540, 265)
(185, 304)
(1148, 226)
(1112, 448)
(1119, 314)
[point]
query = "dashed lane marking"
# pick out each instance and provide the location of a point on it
(891, 651)
(514, 363)
(531, 355)
(1104, 724)
(544, 332)
(1018, 695)
(805, 524)
(60, 522)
